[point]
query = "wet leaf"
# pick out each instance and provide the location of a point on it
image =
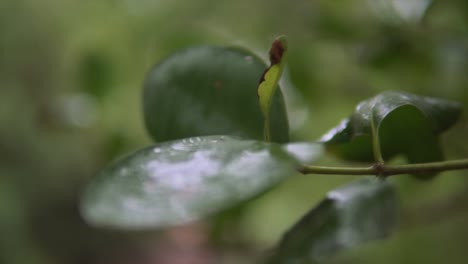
(406, 124)
(349, 216)
(269, 81)
(209, 90)
(179, 181)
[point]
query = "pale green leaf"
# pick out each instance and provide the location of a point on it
(269, 81)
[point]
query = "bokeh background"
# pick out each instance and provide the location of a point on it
(71, 74)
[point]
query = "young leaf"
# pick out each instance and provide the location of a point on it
(405, 124)
(209, 90)
(357, 213)
(179, 181)
(269, 82)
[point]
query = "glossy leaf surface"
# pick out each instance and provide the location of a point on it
(406, 124)
(179, 181)
(269, 81)
(209, 90)
(349, 216)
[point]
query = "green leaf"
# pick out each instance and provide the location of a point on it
(209, 90)
(95, 74)
(179, 181)
(357, 213)
(269, 81)
(405, 124)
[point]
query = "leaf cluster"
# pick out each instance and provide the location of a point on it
(219, 117)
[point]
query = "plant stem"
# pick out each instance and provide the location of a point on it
(266, 129)
(376, 141)
(388, 170)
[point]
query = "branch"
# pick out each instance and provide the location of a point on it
(388, 170)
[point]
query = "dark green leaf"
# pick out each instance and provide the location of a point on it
(179, 181)
(357, 213)
(208, 91)
(96, 74)
(406, 124)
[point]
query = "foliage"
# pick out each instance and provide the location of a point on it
(179, 181)
(405, 124)
(362, 211)
(70, 101)
(269, 83)
(210, 105)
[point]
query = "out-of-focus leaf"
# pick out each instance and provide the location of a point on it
(304, 152)
(179, 181)
(357, 213)
(96, 74)
(209, 91)
(397, 10)
(269, 81)
(406, 124)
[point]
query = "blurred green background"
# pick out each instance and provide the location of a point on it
(70, 87)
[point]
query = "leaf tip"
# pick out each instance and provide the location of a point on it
(278, 48)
